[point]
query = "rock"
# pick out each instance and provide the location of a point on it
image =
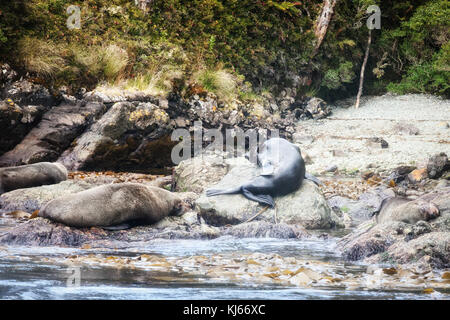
(356, 211)
(338, 153)
(405, 128)
(58, 128)
(306, 207)
(41, 232)
(16, 122)
(190, 218)
(129, 135)
(332, 168)
(437, 165)
(106, 97)
(317, 108)
(376, 141)
(23, 93)
(262, 229)
(32, 199)
(369, 239)
(417, 175)
(303, 140)
(7, 75)
(362, 209)
(195, 174)
(400, 173)
(430, 249)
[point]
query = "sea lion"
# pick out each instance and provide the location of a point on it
(406, 210)
(113, 206)
(31, 175)
(282, 172)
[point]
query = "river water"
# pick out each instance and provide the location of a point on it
(223, 268)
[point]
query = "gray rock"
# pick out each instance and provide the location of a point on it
(128, 135)
(262, 229)
(23, 92)
(306, 207)
(431, 249)
(437, 165)
(7, 74)
(42, 232)
(318, 108)
(196, 174)
(405, 128)
(58, 128)
(369, 239)
(16, 122)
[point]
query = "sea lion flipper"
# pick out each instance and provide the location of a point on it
(261, 198)
(122, 226)
(313, 179)
(216, 192)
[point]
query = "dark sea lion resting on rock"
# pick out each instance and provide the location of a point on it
(32, 175)
(114, 206)
(283, 171)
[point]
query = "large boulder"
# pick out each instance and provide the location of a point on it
(430, 249)
(306, 207)
(129, 135)
(58, 128)
(358, 211)
(16, 122)
(197, 173)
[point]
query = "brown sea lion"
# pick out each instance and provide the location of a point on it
(31, 175)
(114, 206)
(405, 210)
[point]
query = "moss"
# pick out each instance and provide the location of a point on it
(268, 42)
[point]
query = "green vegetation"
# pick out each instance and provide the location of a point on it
(233, 48)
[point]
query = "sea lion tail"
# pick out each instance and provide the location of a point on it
(313, 179)
(216, 192)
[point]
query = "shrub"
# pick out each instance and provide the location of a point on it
(40, 57)
(221, 82)
(113, 60)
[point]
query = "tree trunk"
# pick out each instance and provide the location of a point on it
(363, 67)
(323, 22)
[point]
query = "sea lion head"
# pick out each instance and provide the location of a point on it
(179, 207)
(428, 210)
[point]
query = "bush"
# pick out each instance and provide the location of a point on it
(40, 57)
(221, 82)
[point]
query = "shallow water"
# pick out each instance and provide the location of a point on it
(42, 272)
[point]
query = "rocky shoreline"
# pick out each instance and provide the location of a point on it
(96, 135)
(406, 236)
